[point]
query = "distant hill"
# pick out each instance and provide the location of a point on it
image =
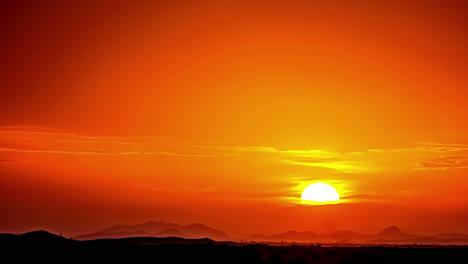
(310, 236)
(157, 229)
(452, 236)
(391, 234)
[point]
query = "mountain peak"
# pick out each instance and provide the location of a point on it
(393, 229)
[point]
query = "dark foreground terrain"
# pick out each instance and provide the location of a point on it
(42, 246)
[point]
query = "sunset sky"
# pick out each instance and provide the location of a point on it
(222, 112)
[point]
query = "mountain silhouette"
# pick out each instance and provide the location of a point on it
(452, 236)
(310, 236)
(391, 234)
(391, 230)
(157, 229)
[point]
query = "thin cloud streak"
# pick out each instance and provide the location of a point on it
(45, 140)
(445, 163)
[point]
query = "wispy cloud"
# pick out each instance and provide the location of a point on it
(50, 151)
(445, 163)
(282, 173)
(349, 162)
(440, 147)
(36, 139)
(10, 161)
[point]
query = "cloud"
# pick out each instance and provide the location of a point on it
(9, 161)
(345, 162)
(341, 165)
(445, 163)
(312, 153)
(50, 151)
(365, 197)
(426, 155)
(440, 147)
(287, 171)
(48, 141)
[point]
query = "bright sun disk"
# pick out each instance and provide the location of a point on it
(320, 192)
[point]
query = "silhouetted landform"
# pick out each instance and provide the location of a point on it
(452, 236)
(158, 229)
(41, 246)
(389, 235)
(34, 237)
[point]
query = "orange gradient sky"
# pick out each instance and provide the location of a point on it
(222, 112)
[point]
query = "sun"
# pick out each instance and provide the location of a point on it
(320, 192)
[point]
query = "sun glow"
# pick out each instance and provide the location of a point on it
(320, 192)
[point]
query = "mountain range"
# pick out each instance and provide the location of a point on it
(157, 229)
(391, 234)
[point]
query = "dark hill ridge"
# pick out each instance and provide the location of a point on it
(110, 235)
(42, 235)
(41, 238)
(154, 241)
(158, 229)
(44, 247)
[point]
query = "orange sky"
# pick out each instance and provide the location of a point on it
(221, 112)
